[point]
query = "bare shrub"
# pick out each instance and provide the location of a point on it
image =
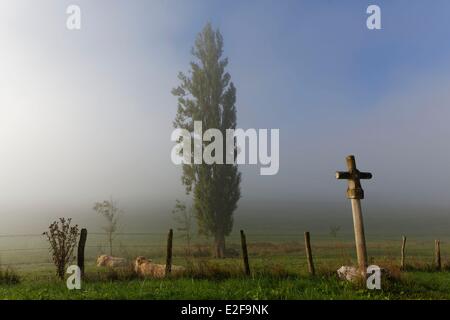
(62, 238)
(111, 212)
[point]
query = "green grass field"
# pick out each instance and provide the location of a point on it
(278, 266)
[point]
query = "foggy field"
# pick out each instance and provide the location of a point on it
(277, 261)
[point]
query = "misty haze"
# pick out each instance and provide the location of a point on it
(225, 151)
(88, 115)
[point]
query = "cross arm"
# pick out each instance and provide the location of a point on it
(353, 175)
(365, 175)
(343, 175)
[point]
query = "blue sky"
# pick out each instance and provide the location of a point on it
(87, 114)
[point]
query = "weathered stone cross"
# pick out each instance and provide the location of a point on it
(355, 193)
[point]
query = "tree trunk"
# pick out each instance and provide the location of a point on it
(219, 244)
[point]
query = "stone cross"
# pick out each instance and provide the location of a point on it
(355, 193)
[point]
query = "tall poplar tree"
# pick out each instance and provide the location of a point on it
(206, 94)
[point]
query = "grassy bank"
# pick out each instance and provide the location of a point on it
(279, 271)
(220, 280)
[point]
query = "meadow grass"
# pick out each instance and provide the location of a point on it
(262, 285)
(279, 271)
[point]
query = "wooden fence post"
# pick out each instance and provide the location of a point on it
(245, 253)
(309, 257)
(81, 246)
(437, 252)
(402, 263)
(169, 253)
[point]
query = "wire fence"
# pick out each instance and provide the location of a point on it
(21, 250)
